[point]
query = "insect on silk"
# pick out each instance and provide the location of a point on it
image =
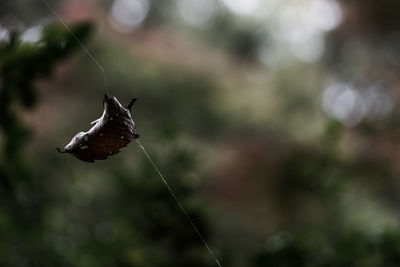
(114, 130)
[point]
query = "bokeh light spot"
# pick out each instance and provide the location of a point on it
(242, 7)
(325, 15)
(32, 35)
(351, 105)
(4, 34)
(197, 13)
(126, 15)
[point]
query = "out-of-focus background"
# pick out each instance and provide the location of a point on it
(276, 123)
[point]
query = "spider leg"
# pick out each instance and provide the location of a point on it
(136, 135)
(129, 107)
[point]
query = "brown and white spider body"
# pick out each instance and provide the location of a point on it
(114, 130)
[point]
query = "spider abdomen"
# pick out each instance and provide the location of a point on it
(114, 130)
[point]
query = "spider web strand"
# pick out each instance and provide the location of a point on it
(79, 42)
(179, 204)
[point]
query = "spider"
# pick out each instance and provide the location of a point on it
(114, 130)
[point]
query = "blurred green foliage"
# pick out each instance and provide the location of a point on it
(346, 249)
(23, 199)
